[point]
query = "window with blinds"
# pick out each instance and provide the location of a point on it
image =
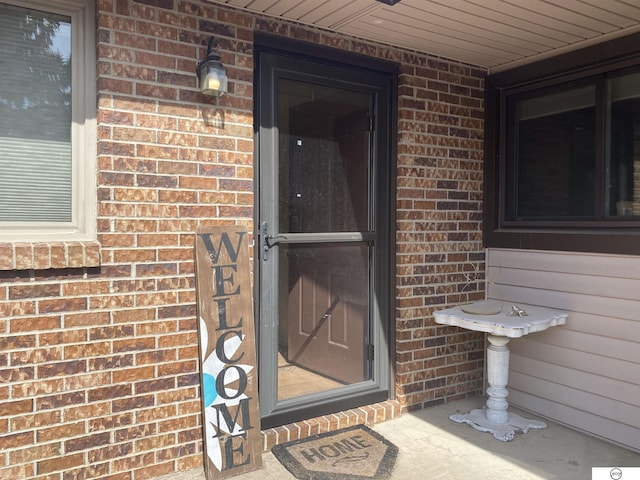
(35, 118)
(47, 148)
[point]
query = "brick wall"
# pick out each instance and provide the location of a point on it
(440, 260)
(99, 363)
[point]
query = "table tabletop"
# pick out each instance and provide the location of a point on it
(509, 322)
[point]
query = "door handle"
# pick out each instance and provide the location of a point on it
(269, 241)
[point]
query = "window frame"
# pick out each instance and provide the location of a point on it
(82, 226)
(606, 235)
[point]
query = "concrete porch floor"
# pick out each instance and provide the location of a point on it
(433, 447)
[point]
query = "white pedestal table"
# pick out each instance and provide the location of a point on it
(511, 322)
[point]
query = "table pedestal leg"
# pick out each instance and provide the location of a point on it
(495, 418)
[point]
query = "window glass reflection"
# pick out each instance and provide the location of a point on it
(624, 168)
(555, 151)
(324, 158)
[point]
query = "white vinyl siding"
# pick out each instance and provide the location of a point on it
(585, 374)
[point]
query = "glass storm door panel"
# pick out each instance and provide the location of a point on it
(323, 166)
(319, 241)
(325, 318)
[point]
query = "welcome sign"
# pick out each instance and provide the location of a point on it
(232, 441)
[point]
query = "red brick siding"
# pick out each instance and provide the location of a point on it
(99, 363)
(440, 259)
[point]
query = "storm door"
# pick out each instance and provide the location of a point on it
(323, 250)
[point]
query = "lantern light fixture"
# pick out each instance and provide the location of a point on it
(212, 77)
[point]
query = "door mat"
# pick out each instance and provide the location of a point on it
(353, 453)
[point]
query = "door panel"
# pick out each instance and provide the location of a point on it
(325, 152)
(324, 237)
(329, 311)
(328, 163)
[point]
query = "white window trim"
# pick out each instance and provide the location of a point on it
(83, 131)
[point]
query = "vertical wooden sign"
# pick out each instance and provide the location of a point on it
(229, 390)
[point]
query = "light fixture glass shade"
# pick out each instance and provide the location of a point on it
(212, 78)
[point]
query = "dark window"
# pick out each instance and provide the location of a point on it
(563, 154)
(624, 146)
(552, 175)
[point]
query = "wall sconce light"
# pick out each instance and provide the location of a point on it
(212, 77)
